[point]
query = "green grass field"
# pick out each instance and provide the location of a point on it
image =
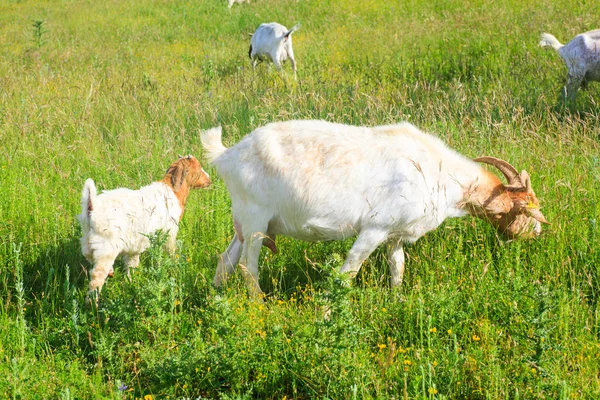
(115, 90)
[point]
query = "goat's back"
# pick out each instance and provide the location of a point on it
(583, 53)
(267, 36)
(340, 174)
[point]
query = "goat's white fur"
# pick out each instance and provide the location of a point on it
(118, 222)
(315, 181)
(582, 57)
(273, 42)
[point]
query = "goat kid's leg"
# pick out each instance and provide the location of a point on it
(227, 261)
(366, 242)
(98, 274)
(396, 260)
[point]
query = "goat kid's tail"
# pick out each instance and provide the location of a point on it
(212, 143)
(294, 29)
(549, 40)
(88, 195)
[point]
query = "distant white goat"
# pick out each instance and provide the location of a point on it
(582, 57)
(118, 222)
(272, 42)
(316, 181)
(231, 2)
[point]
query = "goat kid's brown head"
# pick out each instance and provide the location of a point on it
(187, 170)
(514, 209)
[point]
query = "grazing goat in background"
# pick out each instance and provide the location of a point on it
(316, 181)
(582, 57)
(272, 42)
(118, 222)
(231, 2)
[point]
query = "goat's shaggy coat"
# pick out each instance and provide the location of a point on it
(273, 42)
(315, 180)
(118, 222)
(582, 57)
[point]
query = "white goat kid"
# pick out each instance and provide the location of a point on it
(582, 57)
(118, 222)
(273, 42)
(316, 181)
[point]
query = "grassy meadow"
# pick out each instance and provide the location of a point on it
(115, 90)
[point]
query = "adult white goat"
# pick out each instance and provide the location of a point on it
(316, 180)
(118, 222)
(273, 42)
(582, 57)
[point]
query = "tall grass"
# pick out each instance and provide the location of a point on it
(115, 90)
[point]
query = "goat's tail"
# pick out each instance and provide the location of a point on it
(212, 143)
(549, 40)
(250, 52)
(294, 29)
(88, 195)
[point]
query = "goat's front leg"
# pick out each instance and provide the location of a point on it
(131, 261)
(102, 267)
(396, 260)
(366, 242)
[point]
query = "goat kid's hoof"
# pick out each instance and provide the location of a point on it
(91, 299)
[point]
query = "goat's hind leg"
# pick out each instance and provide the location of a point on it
(228, 260)
(574, 82)
(253, 233)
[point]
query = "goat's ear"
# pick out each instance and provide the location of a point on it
(178, 173)
(536, 214)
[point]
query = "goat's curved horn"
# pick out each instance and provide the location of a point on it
(510, 172)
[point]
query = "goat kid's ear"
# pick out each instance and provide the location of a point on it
(178, 174)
